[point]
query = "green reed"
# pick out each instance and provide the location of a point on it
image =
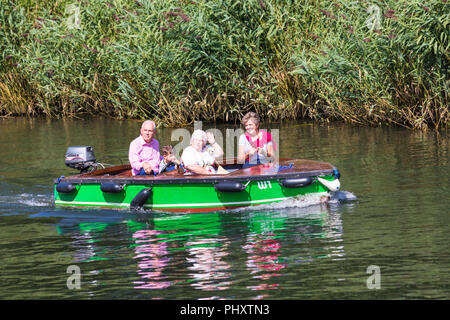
(180, 61)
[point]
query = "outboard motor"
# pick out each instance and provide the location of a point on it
(80, 158)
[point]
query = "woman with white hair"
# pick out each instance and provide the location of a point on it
(199, 157)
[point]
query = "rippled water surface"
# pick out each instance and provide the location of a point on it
(399, 223)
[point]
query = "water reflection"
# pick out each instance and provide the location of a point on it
(208, 270)
(85, 238)
(152, 258)
(283, 239)
(199, 235)
(263, 248)
(211, 252)
(263, 260)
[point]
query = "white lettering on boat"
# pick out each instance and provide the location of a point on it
(264, 184)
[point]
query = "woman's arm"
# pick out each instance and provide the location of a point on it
(268, 153)
(218, 152)
(241, 154)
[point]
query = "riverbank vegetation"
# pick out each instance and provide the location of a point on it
(367, 62)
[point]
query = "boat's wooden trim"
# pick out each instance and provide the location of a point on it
(124, 169)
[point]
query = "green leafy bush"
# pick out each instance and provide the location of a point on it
(178, 61)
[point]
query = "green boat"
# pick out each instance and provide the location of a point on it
(115, 187)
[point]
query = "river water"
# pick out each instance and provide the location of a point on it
(388, 240)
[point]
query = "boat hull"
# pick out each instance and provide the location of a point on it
(187, 194)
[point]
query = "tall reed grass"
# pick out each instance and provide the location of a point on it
(175, 61)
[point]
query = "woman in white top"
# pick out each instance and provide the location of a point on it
(199, 157)
(255, 146)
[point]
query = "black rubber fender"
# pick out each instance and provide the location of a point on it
(64, 187)
(297, 182)
(140, 199)
(229, 187)
(109, 187)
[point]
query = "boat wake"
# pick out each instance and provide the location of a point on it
(342, 197)
(13, 196)
(35, 200)
(27, 199)
(305, 201)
